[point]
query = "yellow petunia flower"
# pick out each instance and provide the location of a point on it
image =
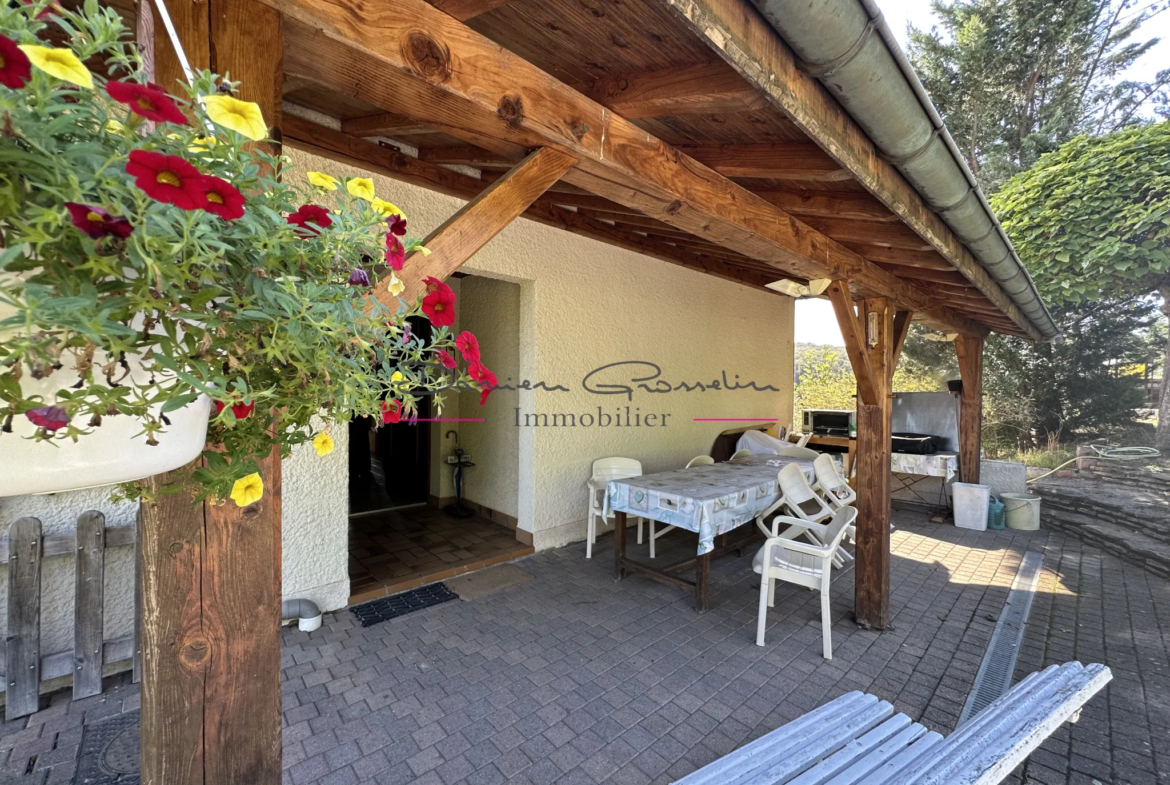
(323, 444)
(115, 127)
(386, 208)
(396, 286)
(322, 180)
(243, 117)
(248, 490)
(361, 187)
(61, 63)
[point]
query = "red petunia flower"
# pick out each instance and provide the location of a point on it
(439, 306)
(433, 284)
(96, 222)
(395, 252)
(219, 197)
(396, 224)
(242, 410)
(480, 373)
(147, 100)
(447, 360)
(310, 219)
(166, 178)
(51, 418)
(15, 69)
(468, 346)
(52, 8)
(391, 412)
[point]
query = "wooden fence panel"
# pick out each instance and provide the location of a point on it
(89, 605)
(23, 654)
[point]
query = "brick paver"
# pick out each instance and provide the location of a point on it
(576, 678)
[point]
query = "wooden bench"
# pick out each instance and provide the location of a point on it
(858, 738)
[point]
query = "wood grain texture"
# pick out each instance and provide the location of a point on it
(745, 40)
(467, 9)
(336, 146)
(192, 20)
(707, 88)
(854, 337)
(902, 322)
(175, 648)
(970, 354)
(860, 207)
(457, 81)
(89, 605)
(384, 124)
(477, 222)
(23, 655)
(247, 44)
(793, 161)
(874, 442)
(241, 579)
(893, 235)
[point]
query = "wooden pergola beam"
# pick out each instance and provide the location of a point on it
(467, 9)
(858, 207)
(902, 322)
(969, 350)
(336, 146)
(893, 235)
(481, 219)
(853, 333)
(791, 161)
(383, 124)
(745, 40)
(707, 88)
(404, 56)
(902, 257)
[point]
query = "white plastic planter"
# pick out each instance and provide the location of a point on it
(971, 505)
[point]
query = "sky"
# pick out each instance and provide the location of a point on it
(815, 322)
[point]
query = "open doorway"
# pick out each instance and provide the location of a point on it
(401, 480)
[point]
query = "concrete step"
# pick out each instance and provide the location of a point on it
(1143, 511)
(1154, 478)
(1134, 547)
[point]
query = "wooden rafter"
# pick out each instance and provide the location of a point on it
(404, 55)
(750, 45)
(467, 9)
(858, 207)
(792, 161)
(328, 143)
(902, 321)
(382, 124)
(893, 235)
(707, 88)
(481, 219)
(902, 257)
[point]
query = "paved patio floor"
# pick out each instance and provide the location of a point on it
(575, 678)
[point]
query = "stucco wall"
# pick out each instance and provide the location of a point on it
(583, 305)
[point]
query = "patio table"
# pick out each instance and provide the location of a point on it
(709, 500)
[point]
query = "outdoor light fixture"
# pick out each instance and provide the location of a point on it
(793, 289)
(941, 337)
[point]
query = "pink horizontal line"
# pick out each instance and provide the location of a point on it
(735, 419)
(447, 419)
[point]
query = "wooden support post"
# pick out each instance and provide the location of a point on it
(478, 221)
(211, 594)
(969, 349)
(874, 427)
(869, 343)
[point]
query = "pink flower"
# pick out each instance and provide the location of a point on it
(395, 253)
(480, 373)
(396, 224)
(447, 360)
(468, 346)
(51, 418)
(96, 222)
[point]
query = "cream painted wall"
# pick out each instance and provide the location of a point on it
(584, 304)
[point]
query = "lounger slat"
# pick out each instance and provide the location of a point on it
(818, 746)
(860, 770)
(778, 742)
(889, 773)
(1008, 743)
(863, 746)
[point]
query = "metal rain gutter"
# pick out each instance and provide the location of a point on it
(871, 78)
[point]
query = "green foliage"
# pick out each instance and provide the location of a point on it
(1092, 219)
(251, 310)
(824, 379)
(1017, 78)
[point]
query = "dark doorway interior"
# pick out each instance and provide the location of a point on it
(389, 466)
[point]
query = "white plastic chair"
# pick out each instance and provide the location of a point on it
(804, 440)
(698, 460)
(831, 485)
(801, 563)
(604, 470)
(740, 454)
(803, 453)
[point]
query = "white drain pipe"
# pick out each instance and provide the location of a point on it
(304, 612)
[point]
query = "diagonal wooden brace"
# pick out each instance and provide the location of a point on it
(479, 221)
(855, 347)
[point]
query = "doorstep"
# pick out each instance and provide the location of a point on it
(387, 588)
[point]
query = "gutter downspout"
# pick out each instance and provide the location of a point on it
(873, 81)
(304, 612)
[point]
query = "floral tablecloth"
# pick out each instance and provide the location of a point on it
(710, 500)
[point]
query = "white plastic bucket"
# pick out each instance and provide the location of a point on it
(971, 502)
(1023, 511)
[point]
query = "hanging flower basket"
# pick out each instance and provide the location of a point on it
(167, 283)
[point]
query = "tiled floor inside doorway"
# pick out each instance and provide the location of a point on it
(397, 550)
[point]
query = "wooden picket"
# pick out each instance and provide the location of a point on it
(25, 667)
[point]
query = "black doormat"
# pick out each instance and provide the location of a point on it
(110, 752)
(385, 608)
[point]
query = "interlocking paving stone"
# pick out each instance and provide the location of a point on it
(573, 678)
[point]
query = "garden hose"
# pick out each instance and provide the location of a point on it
(1108, 454)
